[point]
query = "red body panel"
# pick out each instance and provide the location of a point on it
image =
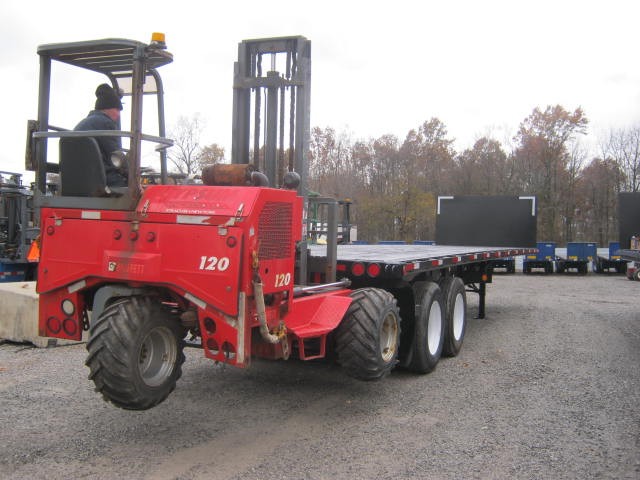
(199, 242)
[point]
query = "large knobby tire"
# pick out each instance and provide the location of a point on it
(455, 324)
(428, 337)
(135, 353)
(368, 338)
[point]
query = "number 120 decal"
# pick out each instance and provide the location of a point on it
(214, 263)
(283, 279)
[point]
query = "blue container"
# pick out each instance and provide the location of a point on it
(582, 251)
(546, 251)
(424, 242)
(613, 250)
(392, 242)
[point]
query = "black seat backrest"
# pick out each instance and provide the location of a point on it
(81, 169)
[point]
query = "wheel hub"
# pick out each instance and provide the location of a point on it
(157, 358)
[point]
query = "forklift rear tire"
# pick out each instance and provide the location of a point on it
(368, 338)
(135, 353)
(455, 324)
(428, 337)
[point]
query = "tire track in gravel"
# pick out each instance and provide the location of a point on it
(241, 448)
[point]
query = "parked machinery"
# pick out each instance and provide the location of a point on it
(18, 228)
(544, 259)
(613, 260)
(225, 265)
(579, 254)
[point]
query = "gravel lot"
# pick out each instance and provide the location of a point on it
(547, 386)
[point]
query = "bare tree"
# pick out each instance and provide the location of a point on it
(623, 146)
(186, 151)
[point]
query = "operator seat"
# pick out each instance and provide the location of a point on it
(81, 169)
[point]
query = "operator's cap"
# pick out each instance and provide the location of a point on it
(107, 97)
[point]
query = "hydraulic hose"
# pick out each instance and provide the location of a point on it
(262, 314)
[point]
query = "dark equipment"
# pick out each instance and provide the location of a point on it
(17, 229)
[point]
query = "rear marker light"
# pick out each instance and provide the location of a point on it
(133, 236)
(50, 230)
(117, 234)
(232, 242)
(151, 236)
(69, 326)
(68, 307)
(341, 267)
(357, 269)
(373, 270)
(53, 324)
(210, 326)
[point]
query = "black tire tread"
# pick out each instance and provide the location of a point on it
(111, 346)
(357, 342)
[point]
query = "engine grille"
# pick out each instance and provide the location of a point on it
(274, 231)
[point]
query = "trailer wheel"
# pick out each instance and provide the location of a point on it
(368, 338)
(455, 315)
(428, 337)
(135, 353)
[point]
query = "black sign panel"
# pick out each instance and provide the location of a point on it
(488, 221)
(628, 218)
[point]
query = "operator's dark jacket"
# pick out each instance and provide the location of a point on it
(97, 120)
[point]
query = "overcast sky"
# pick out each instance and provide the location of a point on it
(378, 67)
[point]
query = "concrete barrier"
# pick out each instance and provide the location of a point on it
(19, 315)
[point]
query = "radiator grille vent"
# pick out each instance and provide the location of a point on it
(274, 231)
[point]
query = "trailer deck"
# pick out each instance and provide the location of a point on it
(399, 260)
(630, 255)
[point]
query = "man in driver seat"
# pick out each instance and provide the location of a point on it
(106, 116)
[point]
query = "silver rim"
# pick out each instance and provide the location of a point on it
(458, 317)
(434, 329)
(389, 337)
(157, 357)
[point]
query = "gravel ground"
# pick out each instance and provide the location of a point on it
(547, 386)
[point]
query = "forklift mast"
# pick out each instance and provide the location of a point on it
(271, 121)
(274, 99)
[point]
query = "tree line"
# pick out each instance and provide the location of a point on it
(394, 185)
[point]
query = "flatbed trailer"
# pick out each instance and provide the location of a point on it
(630, 255)
(579, 255)
(613, 261)
(388, 266)
(545, 258)
(633, 257)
